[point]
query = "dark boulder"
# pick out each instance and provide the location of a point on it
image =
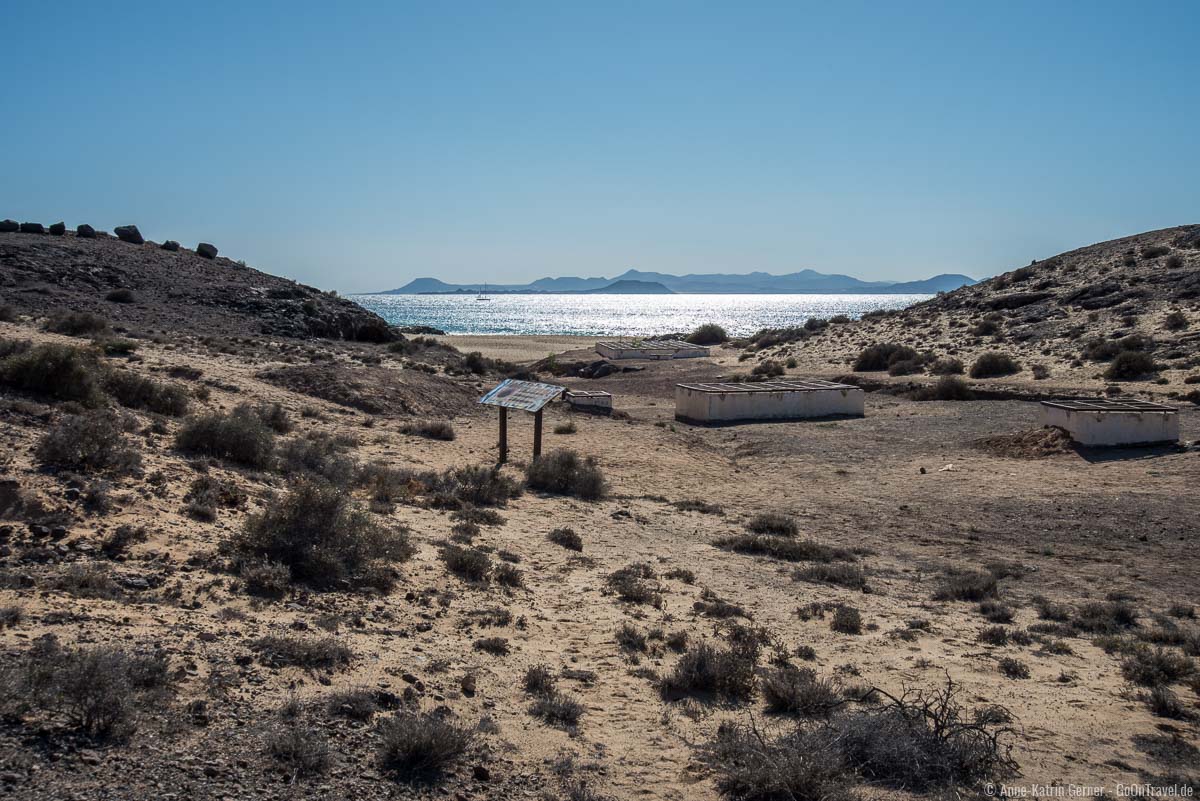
(206, 250)
(130, 234)
(85, 231)
(33, 228)
(171, 245)
(9, 226)
(58, 228)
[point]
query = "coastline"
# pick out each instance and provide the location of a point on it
(519, 348)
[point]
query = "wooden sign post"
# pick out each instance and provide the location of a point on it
(503, 434)
(537, 433)
(528, 396)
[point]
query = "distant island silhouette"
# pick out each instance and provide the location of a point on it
(636, 282)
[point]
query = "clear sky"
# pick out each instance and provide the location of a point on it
(357, 146)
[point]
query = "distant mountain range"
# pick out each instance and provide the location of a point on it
(638, 282)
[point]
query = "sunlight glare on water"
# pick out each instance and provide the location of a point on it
(619, 315)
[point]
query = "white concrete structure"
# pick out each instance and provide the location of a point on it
(590, 400)
(650, 349)
(766, 400)
(1101, 421)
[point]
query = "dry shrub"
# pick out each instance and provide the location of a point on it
(430, 429)
(636, 583)
(421, 747)
(965, 585)
(1150, 667)
(99, 690)
(846, 620)
(471, 564)
(138, 392)
(705, 669)
(881, 356)
(708, 334)
(317, 455)
(925, 740)
(303, 750)
(994, 364)
(567, 538)
(947, 388)
(776, 523)
(239, 436)
(92, 441)
(77, 324)
(557, 708)
(51, 370)
(785, 548)
(327, 652)
(564, 472)
(473, 485)
(325, 539)
(1130, 365)
(838, 573)
(799, 691)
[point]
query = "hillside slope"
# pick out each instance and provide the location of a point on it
(171, 290)
(1065, 318)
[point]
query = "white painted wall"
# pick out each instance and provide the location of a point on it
(1113, 428)
(706, 407)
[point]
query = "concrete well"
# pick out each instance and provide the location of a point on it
(1106, 422)
(766, 400)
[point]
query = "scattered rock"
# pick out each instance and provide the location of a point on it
(170, 245)
(32, 228)
(9, 226)
(85, 231)
(481, 773)
(58, 228)
(130, 234)
(206, 250)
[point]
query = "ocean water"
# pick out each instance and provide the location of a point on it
(618, 315)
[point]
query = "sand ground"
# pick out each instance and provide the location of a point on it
(906, 486)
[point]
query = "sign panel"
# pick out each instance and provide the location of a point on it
(529, 396)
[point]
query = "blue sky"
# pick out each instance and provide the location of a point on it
(356, 146)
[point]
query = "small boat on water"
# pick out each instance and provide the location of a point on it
(482, 294)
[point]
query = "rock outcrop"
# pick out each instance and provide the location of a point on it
(130, 234)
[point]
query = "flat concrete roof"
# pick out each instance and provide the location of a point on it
(1108, 405)
(650, 344)
(768, 386)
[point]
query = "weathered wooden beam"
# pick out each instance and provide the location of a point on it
(537, 434)
(503, 434)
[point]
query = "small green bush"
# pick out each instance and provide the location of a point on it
(708, 334)
(880, 357)
(994, 364)
(1130, 365)
(77, 324)
(947, 366)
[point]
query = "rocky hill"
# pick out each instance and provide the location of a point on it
(1127, 310)
(146, 286)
